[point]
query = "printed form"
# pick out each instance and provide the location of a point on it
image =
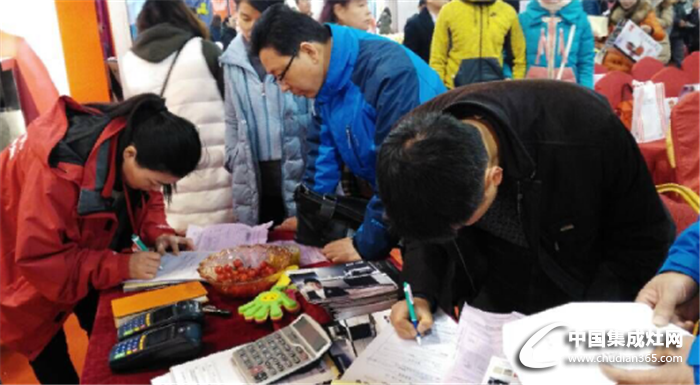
(480, 339)
(390, 359)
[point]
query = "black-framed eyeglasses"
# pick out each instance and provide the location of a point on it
(282, 74)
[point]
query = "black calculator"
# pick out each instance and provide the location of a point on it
(282, 352)
(169, 343)
(179, 312)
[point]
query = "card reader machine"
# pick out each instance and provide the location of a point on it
(178, 312)
(176, 341)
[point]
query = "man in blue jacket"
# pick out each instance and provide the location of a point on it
(362, 84)
(674, 296)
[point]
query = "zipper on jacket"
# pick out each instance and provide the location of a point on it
(481, 39)
(283, 159)
(267, 120)
(464, 264)
(520, 193)
(252, 128)
(351, 143)
(519, 200)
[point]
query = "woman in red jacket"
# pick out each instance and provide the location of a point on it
(72, 192)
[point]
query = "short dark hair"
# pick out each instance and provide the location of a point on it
(164, 142)
(284, 29)
(260, 5)
(430, 175)
(174, 12)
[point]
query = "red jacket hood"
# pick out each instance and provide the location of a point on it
(97, 175)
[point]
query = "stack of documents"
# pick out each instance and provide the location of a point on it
(173, 269)
(351, 289)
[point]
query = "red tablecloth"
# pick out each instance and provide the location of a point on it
(219, 334)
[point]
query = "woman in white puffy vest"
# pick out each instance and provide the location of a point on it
(173, 57)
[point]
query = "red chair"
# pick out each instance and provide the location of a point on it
(684, 151)
(616, 86)
(600, 69)
(691, 67)
(683, 214)
(657, 160)
(673, 80)
(647, 67)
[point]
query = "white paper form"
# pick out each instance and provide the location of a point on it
(480, 338)
(165, 379)
(226, 235)
(216, 368)
(555, 346)
(177, 268)
(390, 359)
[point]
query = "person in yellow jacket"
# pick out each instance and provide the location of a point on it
(471, 39)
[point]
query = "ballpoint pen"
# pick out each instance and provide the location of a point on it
(141, 246)
(411, 309)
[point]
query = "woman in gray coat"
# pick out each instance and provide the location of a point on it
(265, 131)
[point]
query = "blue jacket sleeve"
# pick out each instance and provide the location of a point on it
(398, 92)
(373, 240)
(684, 258)
(323, 160)
(684, 255)
(586, 54)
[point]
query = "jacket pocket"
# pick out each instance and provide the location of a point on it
(477, 71)
(569, 256)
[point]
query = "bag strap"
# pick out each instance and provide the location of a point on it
(170, 70)
(540, 47)
(565, 50)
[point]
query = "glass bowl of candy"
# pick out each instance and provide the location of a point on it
(246, 271)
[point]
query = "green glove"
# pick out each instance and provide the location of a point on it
(268, 303)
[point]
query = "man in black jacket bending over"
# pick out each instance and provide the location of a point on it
(519, 196)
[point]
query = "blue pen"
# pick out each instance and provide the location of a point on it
(411, 309)
(141, 246)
